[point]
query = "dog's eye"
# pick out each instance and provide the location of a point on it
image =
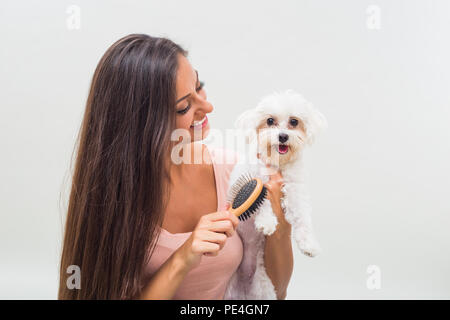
(293, 122)
(270, 121)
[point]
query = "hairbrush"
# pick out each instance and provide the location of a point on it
(246, 196)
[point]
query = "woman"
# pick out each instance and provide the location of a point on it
(127, 192)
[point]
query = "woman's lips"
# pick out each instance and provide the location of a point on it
(202, 125)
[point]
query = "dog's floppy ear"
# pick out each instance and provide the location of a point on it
(247, 123)
(316, 123)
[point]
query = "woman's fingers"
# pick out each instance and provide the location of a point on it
(212, 232)
(209, 236)
(222, 215)
(209, 243)
(275, 180)
(225, 226)
(274, 186)
(233, 219)
(219, 215)
(276, 177)
(214, 237)
(203, 246)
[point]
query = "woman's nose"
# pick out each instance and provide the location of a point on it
(209, 107)
(206, 106)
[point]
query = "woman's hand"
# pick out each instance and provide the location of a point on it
(274, 194)
(208, 237)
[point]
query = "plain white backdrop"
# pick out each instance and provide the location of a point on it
(379, 176)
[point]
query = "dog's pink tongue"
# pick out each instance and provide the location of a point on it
(282, 148)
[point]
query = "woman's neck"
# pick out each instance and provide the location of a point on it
(184, 165)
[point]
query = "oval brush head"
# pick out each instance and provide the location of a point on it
(246, 196)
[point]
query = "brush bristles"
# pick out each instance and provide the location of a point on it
(237, 186)
(255, 206)
(236, 191)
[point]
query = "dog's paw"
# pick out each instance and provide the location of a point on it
(310, 247)
(267, 224)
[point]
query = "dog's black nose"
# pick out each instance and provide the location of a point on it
(283, 137)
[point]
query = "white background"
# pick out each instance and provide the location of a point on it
(379, 176)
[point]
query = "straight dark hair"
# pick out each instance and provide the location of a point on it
(120, 180)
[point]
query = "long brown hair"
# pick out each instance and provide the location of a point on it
(120, 179)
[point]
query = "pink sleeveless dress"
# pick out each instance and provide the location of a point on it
(210, 278)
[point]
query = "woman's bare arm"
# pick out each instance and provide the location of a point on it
(278, 256)
(165, 282)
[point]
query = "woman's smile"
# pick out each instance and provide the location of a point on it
(200, 124)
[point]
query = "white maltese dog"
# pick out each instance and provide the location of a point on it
(280, 126)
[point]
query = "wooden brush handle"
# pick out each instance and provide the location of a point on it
(250, 200)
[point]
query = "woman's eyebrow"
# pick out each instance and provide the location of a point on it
(188, 93)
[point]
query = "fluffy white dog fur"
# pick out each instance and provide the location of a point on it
(250, 280)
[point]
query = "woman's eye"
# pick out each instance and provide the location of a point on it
(270, 121)
(294, 122)
(183, 111)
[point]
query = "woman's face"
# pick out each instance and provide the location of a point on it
(192, 106)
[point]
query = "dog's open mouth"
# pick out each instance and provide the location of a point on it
(282, 148)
